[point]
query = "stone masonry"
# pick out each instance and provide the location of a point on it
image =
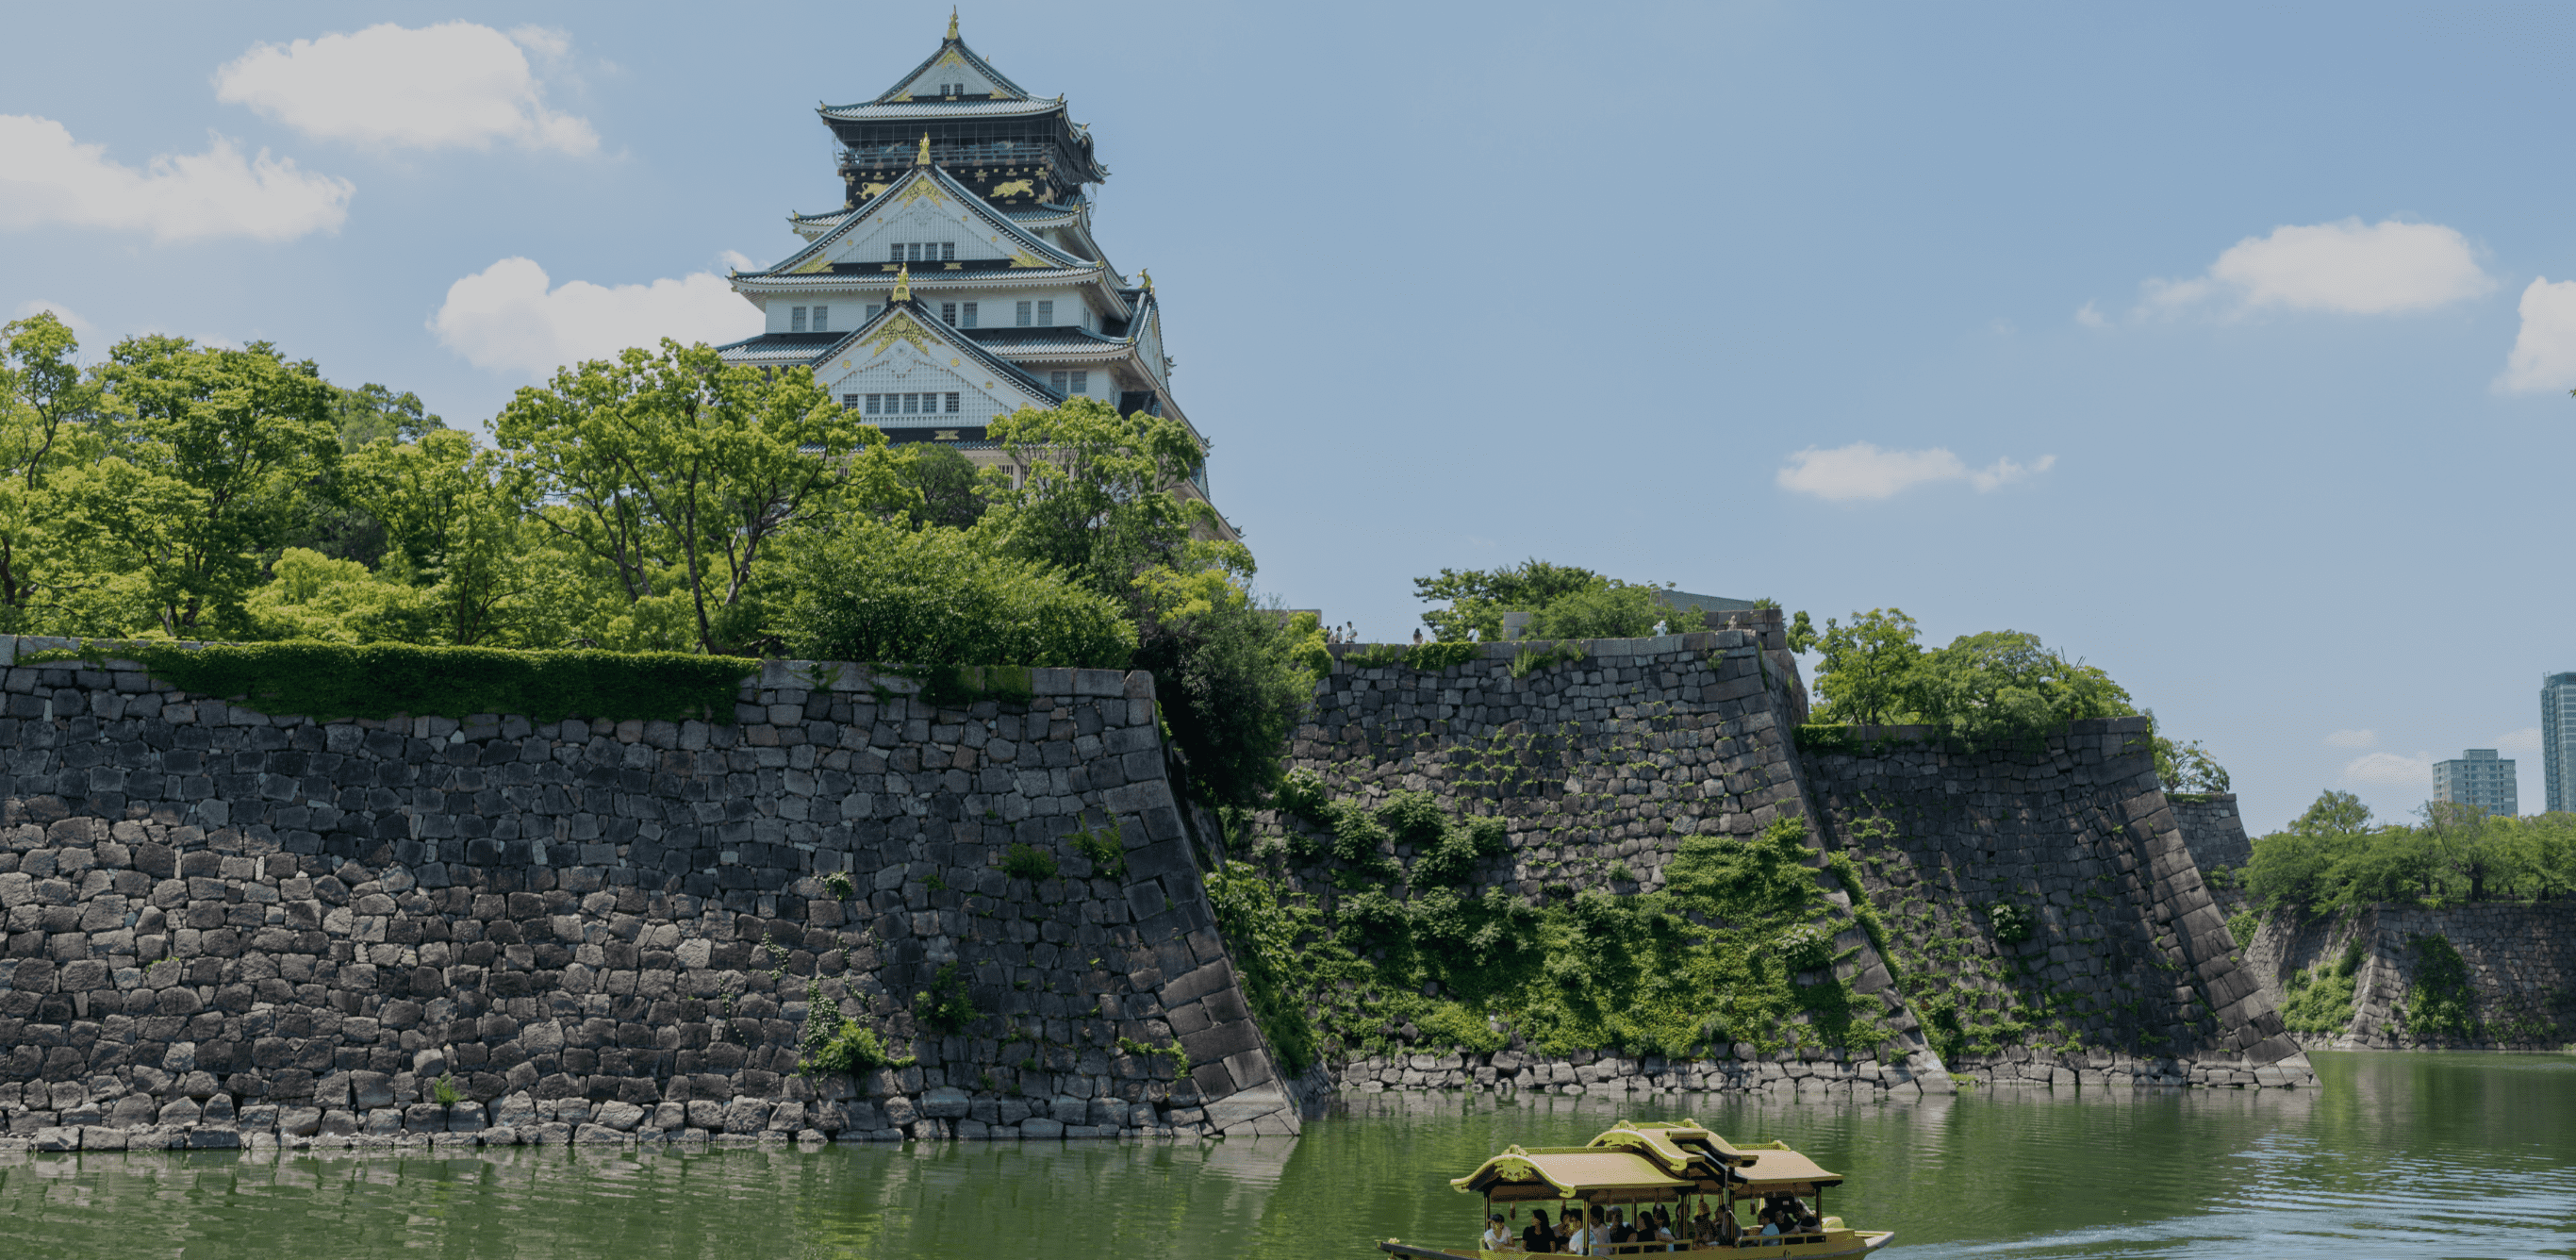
(1598, 767)
(224, 927)
(2079, 837)
(2521, 960)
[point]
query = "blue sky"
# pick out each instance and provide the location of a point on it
(2226, 348)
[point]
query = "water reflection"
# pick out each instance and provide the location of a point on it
(2447, 1154)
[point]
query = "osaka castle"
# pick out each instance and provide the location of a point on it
(958, 280)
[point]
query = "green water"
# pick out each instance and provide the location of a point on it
(2433, 1155)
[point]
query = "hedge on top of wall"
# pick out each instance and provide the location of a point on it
(335, 680)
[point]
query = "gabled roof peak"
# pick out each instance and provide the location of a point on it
(954, 54)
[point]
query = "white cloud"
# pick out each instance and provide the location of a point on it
(48, 177)
(546, 42)
(1863, 471)
(2391, 770)
(453, 85)
(2359, 269)
(505, 318)
(2350, 738)
(2544, 352)
(2526, 740)
(81, 328)
(2089, 315)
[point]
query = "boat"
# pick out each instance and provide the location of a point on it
(1681, 1167)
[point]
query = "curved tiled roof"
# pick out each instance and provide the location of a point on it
(937, 107)
(949, 185)
(981, 66)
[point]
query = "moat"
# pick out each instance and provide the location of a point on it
(2450, 1154)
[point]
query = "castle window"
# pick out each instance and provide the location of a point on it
(795, 319)
(1046, 314)
(948, 313)
(873, 400)
(822, 319)
(966, 317)
(1070, 383)
(948, 251)
(873, 308)
(1082, 382)
(849, 402)
(952, 404)
(1024, 314)
(894, 252)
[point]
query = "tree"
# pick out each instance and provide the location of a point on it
(2187, 767)
(1613, 610)
(205, 451)
(879, 591)
(1099, 496)
(372, 412)
(1478, 598)
(2005, 686)
(1867, 673)
(951, 493)
(1232, 679)
(678, 471)
(46, 408)
(456, 522)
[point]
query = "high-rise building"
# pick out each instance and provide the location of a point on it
(2558, 740)
(958, 281)
(2478, 778)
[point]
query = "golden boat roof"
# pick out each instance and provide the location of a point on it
(1561, 1171)
(1646, 1156)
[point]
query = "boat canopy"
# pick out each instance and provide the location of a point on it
(1646, 1160)
(1574, 1172)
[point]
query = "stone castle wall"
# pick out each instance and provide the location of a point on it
(2211, 829)
(2125, 943)
(222, 925)
(1598, 768)
(2521, 962)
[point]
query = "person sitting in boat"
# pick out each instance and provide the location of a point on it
(1579, 1240)
(1662, 1222)
(1620, 1235)
(1496, 1237)
(1536, 1237)
(1725, 1229)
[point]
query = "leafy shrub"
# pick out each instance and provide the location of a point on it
(838, 883)
(1614, 610)
(2012, 924)
(443, 1091)
(1450, 1024)
(1433, 657)
(873, 591)
(946, 1005)
(329, 680)
(1230, 685)
(1805, 947)
(1530, 660)
(1301, 794)
(1108, 855)
(2439, 1000)
(1027, 861)
(2241, 927)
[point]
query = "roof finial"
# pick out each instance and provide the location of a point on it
(923, 158)
(1146, 274)
(903, 284)
(952, 21)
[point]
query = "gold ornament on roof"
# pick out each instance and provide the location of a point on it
(952, 22)
(1146, 274)
(923, 158)
(898, 327)
(903, 285)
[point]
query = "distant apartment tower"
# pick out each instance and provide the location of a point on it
(2477, 778)
(2558, 740)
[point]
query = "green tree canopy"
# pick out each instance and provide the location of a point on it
(876, 591)
(676, 471)
(1565, 602)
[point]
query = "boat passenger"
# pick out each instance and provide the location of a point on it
(1536, 1237)
(1620, 1234)
(1495, 1235)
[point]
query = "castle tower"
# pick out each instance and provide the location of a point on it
(959, 280)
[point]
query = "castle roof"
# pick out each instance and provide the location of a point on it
(1031, 252)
